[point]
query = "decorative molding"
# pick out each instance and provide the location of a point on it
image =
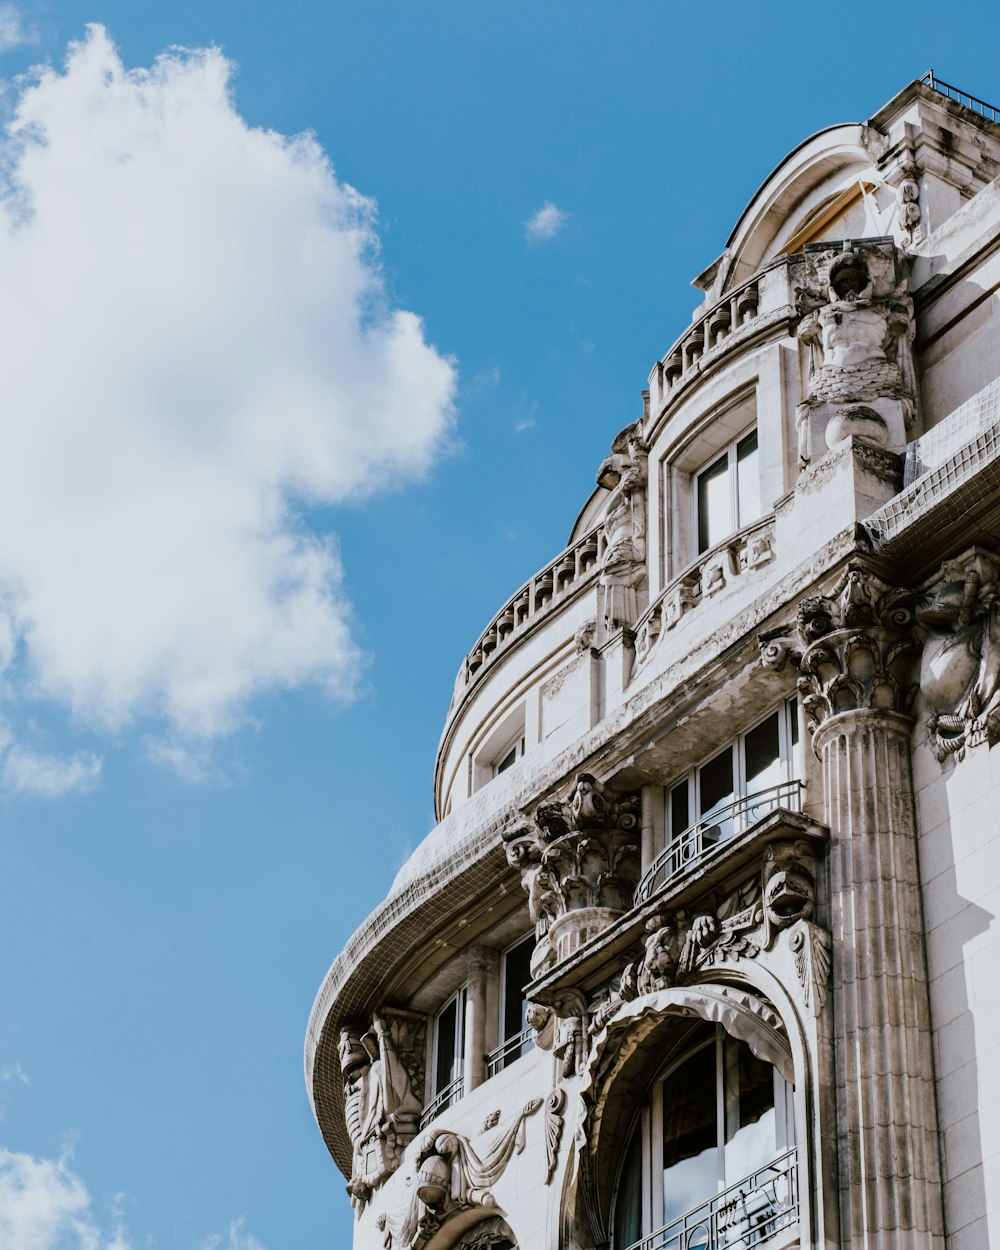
(381, 1067)
(579, 864)
(450, 1176)
(554, 1106)
(960, 665)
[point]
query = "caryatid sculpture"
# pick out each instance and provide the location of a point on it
(623, 564)
(858, 335)
(381, 1111)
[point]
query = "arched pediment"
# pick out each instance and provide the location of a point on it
(824, 189)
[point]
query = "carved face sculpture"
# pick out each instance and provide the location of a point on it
(789, 896)
(352, 1052)
(589, 805)
(849, 277)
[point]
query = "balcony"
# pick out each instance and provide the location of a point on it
(742, 552)
(451, 1093)
(570, 571)
(505, 1054)
(760, 1210)
(696, 843)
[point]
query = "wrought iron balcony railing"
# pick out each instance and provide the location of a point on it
(750, 1214)
(509, 1050)
(452, 1092)
(698, 841)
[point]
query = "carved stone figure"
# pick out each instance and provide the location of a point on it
(579, 864)
(908, 208)
(381, 1111)
(960, 665)
(623, 568)
(858, 342)
(658, 968)
(450, 1177)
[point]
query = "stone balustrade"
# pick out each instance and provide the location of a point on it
(705, 335)
(742, 552)
(576, 565)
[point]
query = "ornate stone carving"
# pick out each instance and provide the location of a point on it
(960, 665)
(623, 568)
(554, 1105)
(542, 1022)
(855, 648)
(856, 325)
(381, 1068)
(579, 863)
(450, 1177)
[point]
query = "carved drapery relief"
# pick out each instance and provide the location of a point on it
(579, 863)
(623, 568)
(960, 665)
(451, 1176)
(856, 326)
(854, 648)
(381, 1068)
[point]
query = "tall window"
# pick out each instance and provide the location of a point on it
(449, 1056)
(719, 1117)
(727, 492)
(726, 785)
(515, 1036)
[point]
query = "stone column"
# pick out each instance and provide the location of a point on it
(858, 664)
(479, 994)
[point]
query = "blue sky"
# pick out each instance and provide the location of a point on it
(237, 571)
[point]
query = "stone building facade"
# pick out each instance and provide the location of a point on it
(703, 951)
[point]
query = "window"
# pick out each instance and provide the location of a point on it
(738, 785)
(727, 492)
(448, 1060)
(509, 755)
(515, 1035)
(719, 1118)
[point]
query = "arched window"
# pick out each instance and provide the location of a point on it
(708, 1164)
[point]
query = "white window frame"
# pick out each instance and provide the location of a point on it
(736, 521)
(458, 1057)
(789, 754)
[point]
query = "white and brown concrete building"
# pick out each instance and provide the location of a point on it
(704, 951)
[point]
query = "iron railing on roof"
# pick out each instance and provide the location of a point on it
(747, 1215)
(989, 111)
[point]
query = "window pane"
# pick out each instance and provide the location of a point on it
(679, 816)
(507, 760)
(690, 1133)
(748, 479)
(762, 756)
(516, 975)
(750, 1124)
(715, 512)
(628, 1200)
(447, 1067)
(715, 791)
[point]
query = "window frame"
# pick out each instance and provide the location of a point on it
(456, 1083)
(736, 521)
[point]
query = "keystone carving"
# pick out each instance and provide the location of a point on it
(381, 1067)
(579, 863)
(451, 1177)
(960, 666)
(857, 328)
(854, 648)
(623, 568)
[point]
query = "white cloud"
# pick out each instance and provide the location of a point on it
(12, 30)
(546, 223)
(237, 1238)
(45, 1206)
(40, 773)
(194, 341)
(14, 1072)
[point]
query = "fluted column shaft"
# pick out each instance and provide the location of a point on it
(889, 1165)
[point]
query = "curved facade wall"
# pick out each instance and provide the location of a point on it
(699, 953)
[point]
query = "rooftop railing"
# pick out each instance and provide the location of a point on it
(988, 111)
(509, 1050)
(452, 1092)
(750, 1214)
(696, 842)
(569, 569)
